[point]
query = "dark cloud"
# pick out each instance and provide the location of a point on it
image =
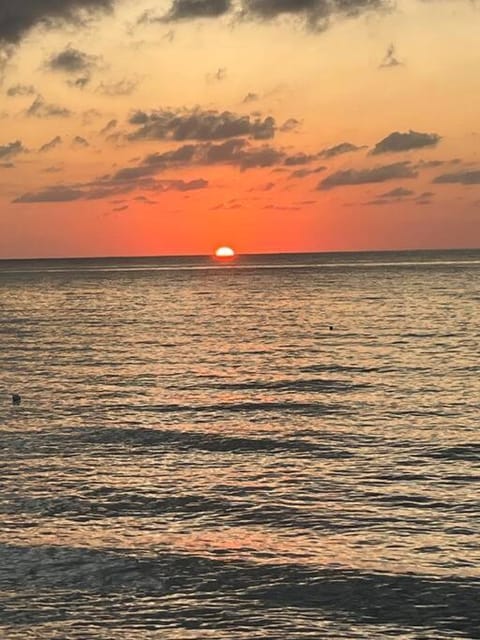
(236, 152)
(397, 142)
(78, 141)
(367, 176)
(52, 194)
(264, 187)
(182, 185)
(198, 124)
(11, 149)
(290, 125)
(277, 207)
(298, 159)
(250, 97)
(123, 87)
(41, 109)
(338, 149)
(258, 157)
(225, 152)
(71, 60)
(79, 83)
(239, 153)
(21, 90)
(399, 192)
(177, 157)
(18, 17)
(106, 187)
(145, 200)
(390, 59)
(190, 9)
(111, 124)
(303, 173)
(315, 13)
(48, 146)
(460, 177)
(7, 165)
(219, 75)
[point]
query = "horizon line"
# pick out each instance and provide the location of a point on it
(238, 254)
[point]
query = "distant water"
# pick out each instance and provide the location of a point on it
(198, 456)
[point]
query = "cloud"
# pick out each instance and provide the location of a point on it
(198, 124)
(299, 158)
(41, 109)
(390, 60)
(315, 13)
(236, 152)
(338, 149)
(290, 125)
(303, 173)
(11, 149)
(397, 142)
(71, 60)
(123, 87)
(460, 177)
(399, 192)
(111, 124)
(191, 9)
(250, 97)
(90, 115)
(276, 207)
(48, 146)
(219, 75)
(79, 83)
(21, 90)
(78, 141)
(17, 18)
(106, 187)
(366, 176)
(259, 157)
(52, 194)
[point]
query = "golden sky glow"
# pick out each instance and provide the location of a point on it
(167, 128)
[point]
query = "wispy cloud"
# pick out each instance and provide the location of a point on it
(366, 176)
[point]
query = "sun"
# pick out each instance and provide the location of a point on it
(224, 252)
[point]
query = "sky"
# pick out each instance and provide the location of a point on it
(143, 127)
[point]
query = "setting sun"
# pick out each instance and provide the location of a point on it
(224, 252)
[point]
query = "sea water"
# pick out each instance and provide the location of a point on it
(277, 447)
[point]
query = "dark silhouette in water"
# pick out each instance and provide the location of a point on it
(16, 398)
(331, 328)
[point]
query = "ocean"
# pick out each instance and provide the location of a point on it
(278, 447)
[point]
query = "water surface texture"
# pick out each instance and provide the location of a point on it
(198, 455)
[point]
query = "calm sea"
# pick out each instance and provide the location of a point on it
(198, 455)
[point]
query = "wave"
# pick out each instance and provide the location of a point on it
(313, 385)
(115, 589)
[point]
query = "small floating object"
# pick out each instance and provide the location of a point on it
(331, 328)
(16, 398)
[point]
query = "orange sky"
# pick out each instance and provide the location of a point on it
(150, 128)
